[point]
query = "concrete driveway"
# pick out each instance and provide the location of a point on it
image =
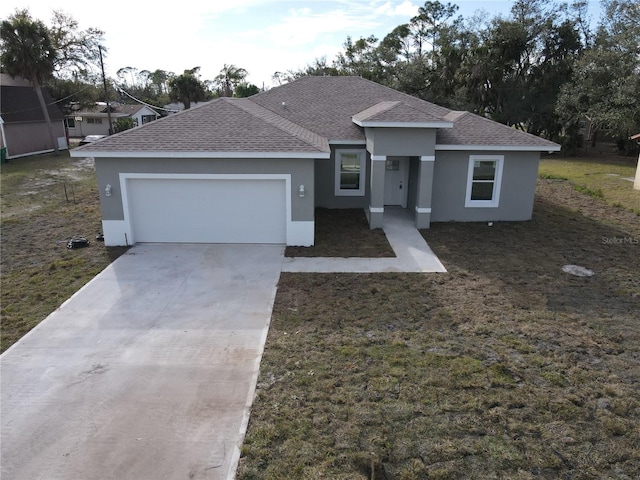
(147, 373)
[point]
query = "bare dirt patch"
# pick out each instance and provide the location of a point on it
(46, 200)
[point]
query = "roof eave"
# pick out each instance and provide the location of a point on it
(503, 148)
(347, 141)
(374, 123)
(183, 154)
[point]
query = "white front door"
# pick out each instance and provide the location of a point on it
(396, 179)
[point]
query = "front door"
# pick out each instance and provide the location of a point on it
(396, 179)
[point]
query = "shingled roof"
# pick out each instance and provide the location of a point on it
(223, 125)
(396, 114)
(304, 117)
(327, 105)
(20, 104)
(473, 130)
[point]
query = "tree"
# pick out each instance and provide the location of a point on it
(229, 78)
(606, 79)
(32, 50)
(246, 90)
(76, 51)
(428, 25)
(75, 93)
(319, 68)
(560, 50)
(125, 74)
(187, 88)
(122, 124)
(159, 79)
(27, 51)
(360, 59)
(397, 44)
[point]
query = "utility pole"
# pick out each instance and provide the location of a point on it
(106, 94)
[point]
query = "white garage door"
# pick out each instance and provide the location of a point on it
(207, 210)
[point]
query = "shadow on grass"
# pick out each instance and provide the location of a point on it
(344, 233)
(526, 258)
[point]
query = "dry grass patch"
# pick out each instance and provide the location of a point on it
(603, 176)
(45, 201)
(505, 367)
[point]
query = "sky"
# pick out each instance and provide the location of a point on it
(261, 36)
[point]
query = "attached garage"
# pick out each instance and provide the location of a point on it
(206, 208)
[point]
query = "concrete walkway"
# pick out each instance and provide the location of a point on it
(147, 373)
(412, 252)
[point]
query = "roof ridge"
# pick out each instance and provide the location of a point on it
(375, 109)
(455, 115)
(396, 111)
(408, 97)
(287, 126)
(404, 94)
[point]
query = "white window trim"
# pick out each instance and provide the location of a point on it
(497, 182)
(339, 192)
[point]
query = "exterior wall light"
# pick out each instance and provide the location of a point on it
(107, 190)
(301, 191)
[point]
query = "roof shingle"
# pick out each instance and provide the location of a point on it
(222, 125)
(326, 105)
(471, 129)
(20, 104)
(395, 112)
(305, 116)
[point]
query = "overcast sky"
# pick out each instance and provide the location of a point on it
(262, 36)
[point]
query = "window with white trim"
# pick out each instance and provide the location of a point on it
(484, 180)
(350, 172)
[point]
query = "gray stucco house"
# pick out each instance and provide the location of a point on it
(253, 170)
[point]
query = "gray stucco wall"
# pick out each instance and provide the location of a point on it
(519, 176)
(401, 141)
(325, 175)
(301, 170)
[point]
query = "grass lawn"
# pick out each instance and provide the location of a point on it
(609, 177)
(504, 367)
(45, 200)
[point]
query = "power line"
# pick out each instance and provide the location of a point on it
(121, 90)
(51, 103)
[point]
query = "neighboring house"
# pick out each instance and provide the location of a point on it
(95, 121)
(253, 170)
(636, 182)
(591, 133)
(23, 130)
